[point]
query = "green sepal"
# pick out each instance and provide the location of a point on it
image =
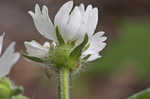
(76, 53)
(141, 95)
(59, 37)
(36, 59)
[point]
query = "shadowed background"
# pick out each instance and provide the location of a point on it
(124, 68)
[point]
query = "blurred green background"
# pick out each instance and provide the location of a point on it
(124, 68)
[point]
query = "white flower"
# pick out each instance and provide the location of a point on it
(8, 59)
(73, 24)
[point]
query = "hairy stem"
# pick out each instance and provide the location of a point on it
(64, 77)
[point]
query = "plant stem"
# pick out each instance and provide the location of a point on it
(64, 77)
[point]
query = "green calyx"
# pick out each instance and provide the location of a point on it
(7, 90)
(65, 55)
(60, 56)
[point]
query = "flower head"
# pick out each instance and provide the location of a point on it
(73, 35)
(9, 57)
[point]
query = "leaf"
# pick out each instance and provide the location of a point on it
(78, 50)
(59, 37)
(141, 95)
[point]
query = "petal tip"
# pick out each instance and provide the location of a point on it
(37, 6)
(44, 10)
(69, 3)
(31, 13)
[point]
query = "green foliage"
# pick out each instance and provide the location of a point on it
(141, 95)
(131, 48)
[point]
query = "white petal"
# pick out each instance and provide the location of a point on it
(43, 22)
(93, 57)
(8, 59)
(62, 15)
(35, 49)
(88, 22)
(37, 9)
(92, 20)
(96, 44)
(82, 8)
(73, 25)
(67, 23)
(1, 42)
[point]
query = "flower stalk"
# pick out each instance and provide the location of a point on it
(64, 80)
